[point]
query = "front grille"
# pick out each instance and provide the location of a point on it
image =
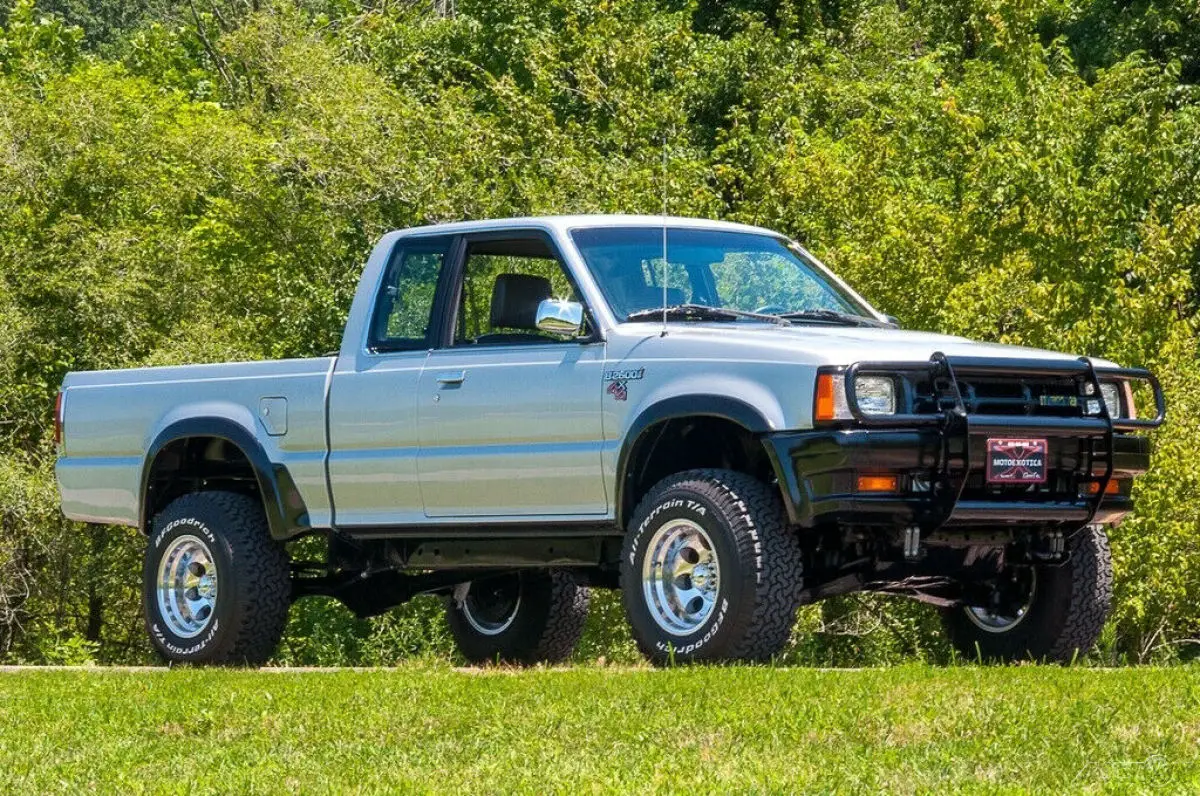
(989, 396)
(1042, 397)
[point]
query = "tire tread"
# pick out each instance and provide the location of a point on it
(564, 625)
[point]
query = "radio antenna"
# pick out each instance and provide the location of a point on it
(665, 270)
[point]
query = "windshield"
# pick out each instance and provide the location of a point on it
(740, 271)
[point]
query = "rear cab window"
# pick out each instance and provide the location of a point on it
(403, 313)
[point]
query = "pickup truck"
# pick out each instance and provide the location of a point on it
(699, 414)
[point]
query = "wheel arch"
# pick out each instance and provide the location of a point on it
(196, 448)
(733, 412)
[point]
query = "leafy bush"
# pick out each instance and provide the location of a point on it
(204, 186)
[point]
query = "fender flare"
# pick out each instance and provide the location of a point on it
(287, 516)
(705, 405)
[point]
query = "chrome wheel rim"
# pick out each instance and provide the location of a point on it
(1001, 620)
(187, 586)
(491, 608)
(680, 577)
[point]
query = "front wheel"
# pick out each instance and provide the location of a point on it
(1040, 611)
(710, 570)
(528, 616)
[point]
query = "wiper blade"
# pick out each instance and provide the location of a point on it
(833, 316)
(702, 312)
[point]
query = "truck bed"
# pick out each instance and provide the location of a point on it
(112, 418)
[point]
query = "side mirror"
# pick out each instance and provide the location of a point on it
(893, 320)
(560, 317)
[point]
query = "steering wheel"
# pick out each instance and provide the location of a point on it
(770, 309)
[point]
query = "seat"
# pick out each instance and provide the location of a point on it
(515, 300)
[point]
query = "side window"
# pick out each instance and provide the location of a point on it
(404, 306)
(504, 281)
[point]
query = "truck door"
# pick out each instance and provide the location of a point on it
(373, 397)
(509, 416)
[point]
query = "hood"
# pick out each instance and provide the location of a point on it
(825, 345)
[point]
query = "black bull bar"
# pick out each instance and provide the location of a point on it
(952, 427)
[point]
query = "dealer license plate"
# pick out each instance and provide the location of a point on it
(1016, 461)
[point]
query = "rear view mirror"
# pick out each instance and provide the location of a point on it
(563, 318)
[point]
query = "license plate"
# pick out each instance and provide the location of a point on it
(1016, 461)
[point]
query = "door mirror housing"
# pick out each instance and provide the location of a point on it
(564, 318)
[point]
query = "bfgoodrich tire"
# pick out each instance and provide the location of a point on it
(710, 570)
(216, 587)
(530, 616)
(1056, 614)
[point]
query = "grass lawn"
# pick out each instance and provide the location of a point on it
(432, 728)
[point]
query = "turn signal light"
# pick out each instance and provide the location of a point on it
(825, 404)
(878, 483)
(1113, 488)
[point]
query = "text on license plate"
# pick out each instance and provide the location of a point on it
(1016, 461)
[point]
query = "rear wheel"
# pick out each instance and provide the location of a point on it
(216, 586)
(1040, 611)
(522, 617)
(710, 570)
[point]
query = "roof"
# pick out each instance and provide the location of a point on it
(563, 223)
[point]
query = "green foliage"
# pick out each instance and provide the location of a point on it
(187, 186)
(321, 632)
(63, 648)
(33, 46)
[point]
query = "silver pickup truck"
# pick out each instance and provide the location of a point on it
(697, 413)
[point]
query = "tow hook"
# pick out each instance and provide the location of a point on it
(1053, 547)
(912, 543)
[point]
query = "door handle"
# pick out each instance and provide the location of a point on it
(452, 377)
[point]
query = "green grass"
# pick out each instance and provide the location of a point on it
(432, 728)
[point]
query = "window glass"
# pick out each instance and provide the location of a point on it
(717, 268)
(504, 281)
(404, 308)
(770, 281)
(650, 292)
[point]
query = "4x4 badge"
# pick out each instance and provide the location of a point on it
(617, 379)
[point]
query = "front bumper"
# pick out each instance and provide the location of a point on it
(818, 472)
(939, 457)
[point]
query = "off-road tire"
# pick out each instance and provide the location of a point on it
(1070, 605)
(760, 561)
(546, 627)
(253, 580)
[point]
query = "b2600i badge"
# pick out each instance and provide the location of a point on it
(631, 374)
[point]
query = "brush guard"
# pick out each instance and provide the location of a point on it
(957, 426)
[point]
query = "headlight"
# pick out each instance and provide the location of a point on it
(1111, 392)
(876, 395)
